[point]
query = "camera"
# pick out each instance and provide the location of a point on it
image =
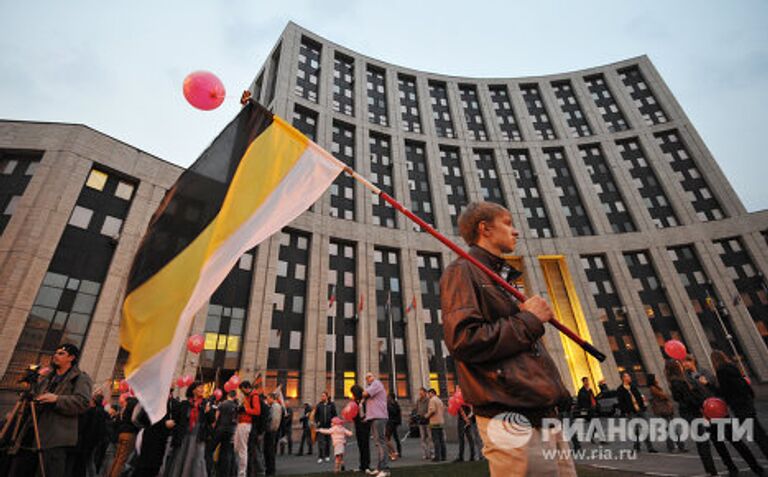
(32, 375)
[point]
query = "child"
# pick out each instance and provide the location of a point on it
(339, 435)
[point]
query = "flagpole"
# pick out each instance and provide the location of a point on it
(586, 346)
(712, 305)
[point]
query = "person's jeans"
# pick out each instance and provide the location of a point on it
(242, 433)
(255, 453)
(226, 451)
(393, 440)
(363, 436)
(427, 449)
(56, 462)
(306, 436)
(465, 433)
(438, 440)
(323, 446)
(270, 449)
(379, 431)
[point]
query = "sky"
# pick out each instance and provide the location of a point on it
(119, 68)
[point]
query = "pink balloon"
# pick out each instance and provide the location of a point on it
(714, 408)
(124, 387)
(229, 387)
(204, 90)
(217, 393)
(180, 381)
(675, 350)
(188, 379)
(350, 411)
(195, 343)
(235, 379)
(453, 406)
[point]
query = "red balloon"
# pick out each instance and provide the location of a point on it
(217, 394)
(235, 380)
(188, 379)
(350, 411)
(195, 343)
(675, 350)
(229, 387)
(180, 381)
(124, 387)
(714, 408)
(204, 90)
(453, 406)
(459, 397)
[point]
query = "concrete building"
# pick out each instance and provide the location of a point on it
(628, 226)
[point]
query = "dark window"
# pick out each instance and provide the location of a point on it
(505, 114)
(418, 181)
(527, 184)
(438, 95)
(750, 282)
(569, 105)
(391, 323)
(16, 170)
(342, 314)
(538, 112)
(490, 186)
(613, 315)
(305, 120)
(607, 191)
(688, 174)
(472, 112)
(308, 73)
(606, 104)
(565, 186)
(455, 189)
(381, 175)
(377, 96)
(642, 95)
(409, 103)
(647, 183)
(440, 362)
(343, 188)
(344, 84)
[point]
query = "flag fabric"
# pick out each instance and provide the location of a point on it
(332, 298)
(411, 306)
(257, 176)
(360, 306)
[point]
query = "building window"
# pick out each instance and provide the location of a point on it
(343, 188)
(96, 179)
(688, 174)
(409, 103)
(569, 105)
(382, 175)
(377, 95)
(418, 181)
(565, 186)
(428, 307)
(473, 114)
(344, 84)
(455, 189)
(16, 170)
(527, 184)
(342, 312)
(305, 120)
(308, 74)
(642, 96)
(538, 112)
(606, 189)
(441, 111)
(391, 323)
(505, 114)
(606, 104)
(490, 186)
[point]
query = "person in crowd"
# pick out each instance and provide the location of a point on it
(286, 431)
(692, 371)
(394, 419)
(362, 429)
(193, 425)
(153, 441)
(272, 432)
(632, 405)
(376, 414)
(436, 417)
(427, 450)
(663, 407)
(92, 430)
(256, 463)
(245, 415)
(224, 433)
(738, 394)
(585, 400)
(324, 412)
(306, 434)
(501, 361)
(464, 429)
(61, 397)
(126, 435)
(602, 387)
(338, 434)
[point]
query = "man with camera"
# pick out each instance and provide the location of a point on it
(59, 398)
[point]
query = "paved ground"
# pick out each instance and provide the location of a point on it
(598, 460)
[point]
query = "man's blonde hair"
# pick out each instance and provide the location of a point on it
(473, 214)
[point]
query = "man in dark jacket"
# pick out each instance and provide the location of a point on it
(324, 412)
(502, 365)
(632, 405)
(60, 398)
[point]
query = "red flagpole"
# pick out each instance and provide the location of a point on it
(586, 346)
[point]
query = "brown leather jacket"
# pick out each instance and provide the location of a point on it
(501, 363)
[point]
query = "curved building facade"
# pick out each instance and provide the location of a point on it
(627, 225)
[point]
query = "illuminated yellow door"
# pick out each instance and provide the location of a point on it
(567, 308)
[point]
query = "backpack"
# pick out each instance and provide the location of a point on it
(260, 422)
